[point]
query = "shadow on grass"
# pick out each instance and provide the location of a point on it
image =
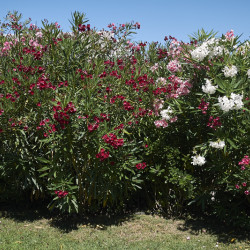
(64, 222)
(209, 225)
(68, 223)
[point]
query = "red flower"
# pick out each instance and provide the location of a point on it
(127, 106)
(214, 122)
(112, 140)
(141, 165)
(203, 106)
(92, 127)
(102, 155)
(61, 193)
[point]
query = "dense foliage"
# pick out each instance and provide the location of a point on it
(94, 121)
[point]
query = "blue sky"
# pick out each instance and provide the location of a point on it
(158, 18)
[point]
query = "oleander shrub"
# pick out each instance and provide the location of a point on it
(92, 121)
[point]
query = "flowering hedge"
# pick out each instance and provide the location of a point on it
(92, 120)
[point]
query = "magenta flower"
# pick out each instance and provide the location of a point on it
(141, 165)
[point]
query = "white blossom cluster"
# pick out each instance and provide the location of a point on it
(198, 160)
(217, 144)
(248, 73)
(104, 34)
(210, 48)
(230, 71)
(200, 52)
(208, 88)
(217, 51)
(227, 104)
(165, 113)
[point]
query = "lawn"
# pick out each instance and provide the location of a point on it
(22, 228)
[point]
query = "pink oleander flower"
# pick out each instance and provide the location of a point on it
(245, 161)
(154, 67)
(161, 123)
(158, 105)
(174, 66)
(230, 35)
(39, 34)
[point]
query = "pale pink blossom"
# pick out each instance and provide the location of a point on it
(161, 123)
(174, 66)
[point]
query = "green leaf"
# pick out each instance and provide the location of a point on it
(232, 143)
(43, 169)
(43, 160)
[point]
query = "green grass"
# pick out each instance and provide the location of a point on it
(35, 229)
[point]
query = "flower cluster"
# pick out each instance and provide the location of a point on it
(165, 116)
(198, 160)
(162, 81)
(127, 106)
(165, 113)
(62, 116)
(200, 52)
(248, 73)
(154, 67)
(141, 165)
(112, 140)
(244, 162)
(208, 88)
(161, 123)
(214, 123)
(217, 144)
(228, 104)
(230, 71)
(230, 35)
(203, 106)
(210, 48)
(102, 155)
(61, 194)
(178, 87)
(174, 66)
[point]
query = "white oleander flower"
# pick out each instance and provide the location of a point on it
(200, 52)
(230, 71)
(217, 51)
(165, 113)
(198, 160)
(227, 104)
(248, 73)
(208, 88)
(217, 144)
(238, 104)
